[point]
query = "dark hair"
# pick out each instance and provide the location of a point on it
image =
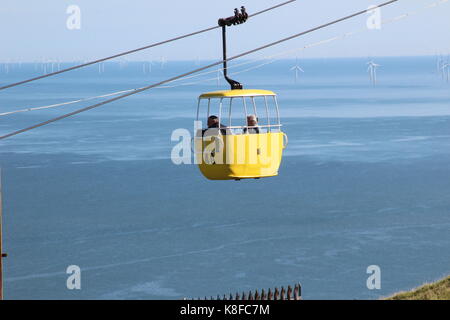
(213, 117)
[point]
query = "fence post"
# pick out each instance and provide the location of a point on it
(269, 295)
(289, 293)
(276, 295)
(263, 295)
(283, 294)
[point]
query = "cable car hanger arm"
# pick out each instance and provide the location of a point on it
(238, 18)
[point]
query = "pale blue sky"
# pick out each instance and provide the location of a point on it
(34, 30)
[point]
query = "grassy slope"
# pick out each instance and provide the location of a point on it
(439, 290)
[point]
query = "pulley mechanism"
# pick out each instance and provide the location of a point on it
(238, 18)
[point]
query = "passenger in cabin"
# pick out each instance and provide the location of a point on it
(252, 122)
(213, 122)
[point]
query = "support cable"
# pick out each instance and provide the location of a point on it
(194, 71)
(133, 51)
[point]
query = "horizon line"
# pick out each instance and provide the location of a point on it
(53, 60)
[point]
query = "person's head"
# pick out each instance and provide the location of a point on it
(213, 121)
(252, 120)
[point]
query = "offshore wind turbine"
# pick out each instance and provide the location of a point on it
(296, 69)
(101, 67)
(219, 76)
(150, 64)
(439, 63)
(441, 66)
(372, 70)
(163, 61)
(123, 63)
(147, 66)
(445, 69)
(44, 65)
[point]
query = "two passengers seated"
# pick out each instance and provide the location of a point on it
(213, 123)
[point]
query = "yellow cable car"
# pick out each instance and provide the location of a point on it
(250, 149)
(234, 151)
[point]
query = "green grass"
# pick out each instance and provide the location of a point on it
(439, 290)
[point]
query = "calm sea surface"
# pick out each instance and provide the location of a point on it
(365, 180)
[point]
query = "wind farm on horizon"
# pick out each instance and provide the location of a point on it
(47, 65)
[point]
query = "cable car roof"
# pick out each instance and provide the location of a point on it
(237, 93)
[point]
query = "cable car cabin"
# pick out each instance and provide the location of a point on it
(242, 137)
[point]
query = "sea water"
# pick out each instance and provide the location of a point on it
(365, 180)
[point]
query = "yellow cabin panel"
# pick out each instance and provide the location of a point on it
(241, 156)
